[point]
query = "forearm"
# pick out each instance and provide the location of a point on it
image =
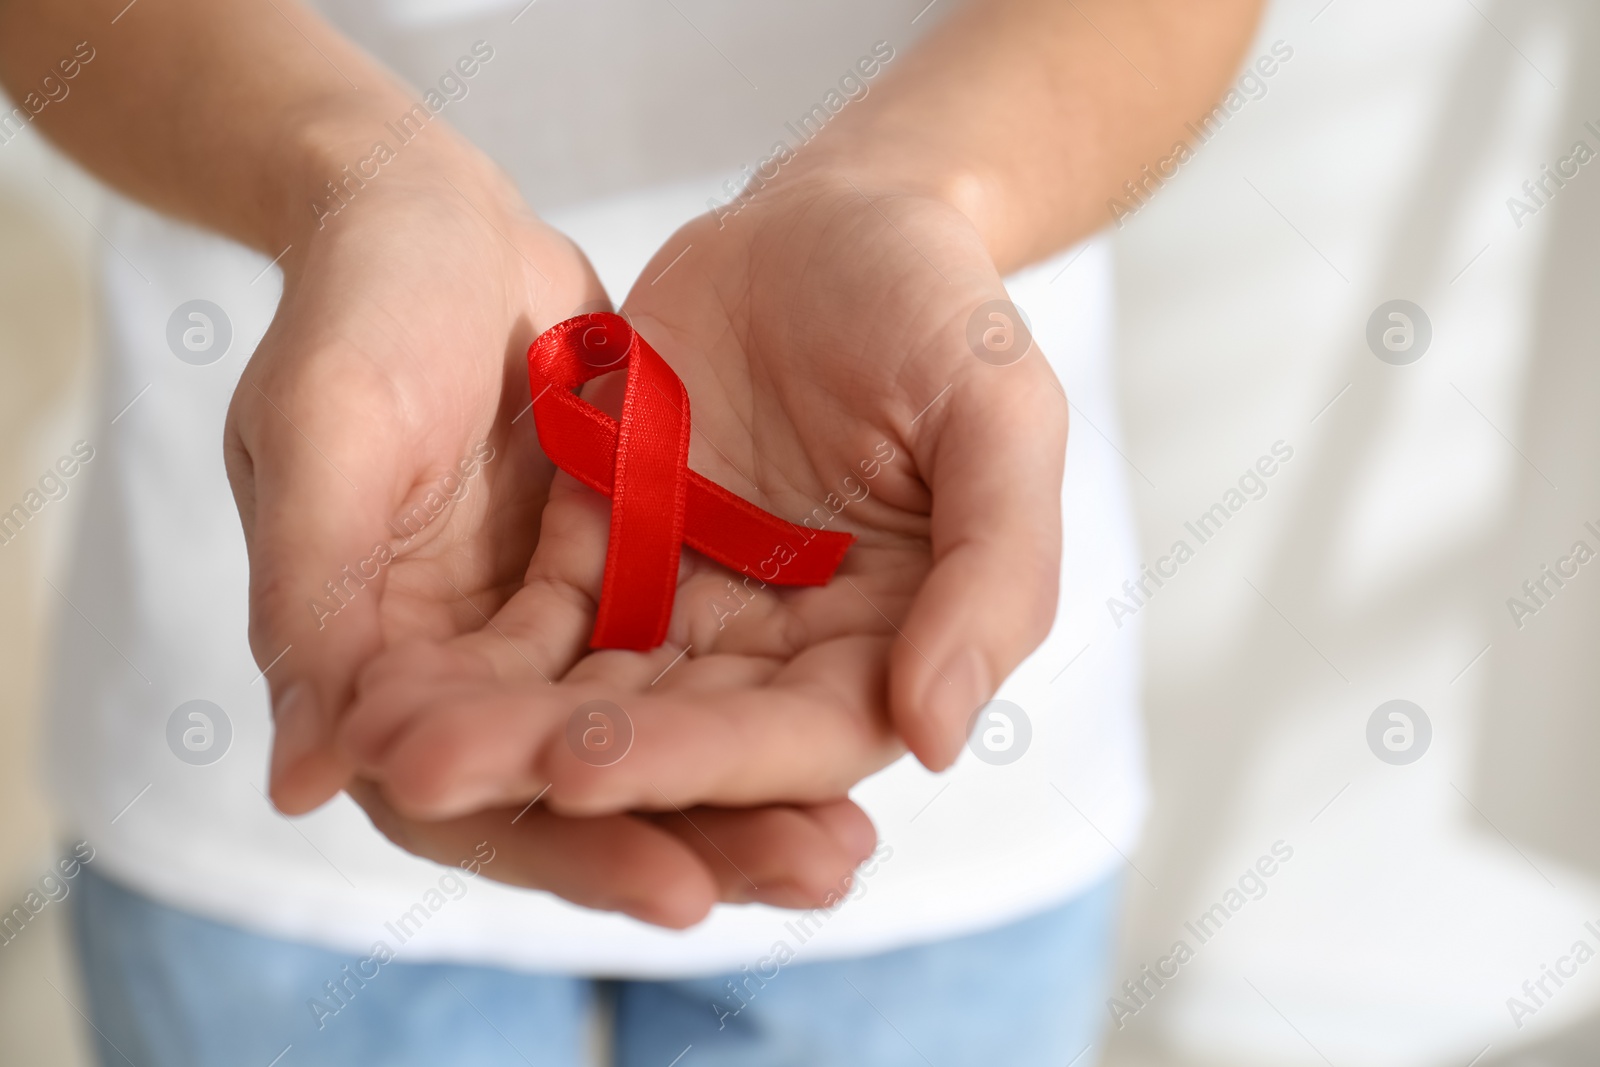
(1029, 115)
(232, 114)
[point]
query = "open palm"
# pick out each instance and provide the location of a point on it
(822, 337)
(389, 493)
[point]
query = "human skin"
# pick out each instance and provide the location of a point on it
(824, 316)
(396, 349)
(411, 313)
(813, 336)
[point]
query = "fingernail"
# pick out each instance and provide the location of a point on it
(954, 694)
(295, 728)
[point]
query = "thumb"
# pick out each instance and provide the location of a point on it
(314, 497)
(993, 461)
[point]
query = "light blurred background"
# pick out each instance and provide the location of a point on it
(1419, 897)
(46, 335)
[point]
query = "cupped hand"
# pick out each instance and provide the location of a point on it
(390, 492)
(822, 334)
(383, 484)
(667, 869)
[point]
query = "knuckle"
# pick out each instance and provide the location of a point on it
(578, 789)
(426, 770)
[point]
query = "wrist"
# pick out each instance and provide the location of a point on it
(389, 146)
(358, 202)
(888, 169)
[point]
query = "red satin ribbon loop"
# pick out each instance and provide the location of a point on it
(657, 503)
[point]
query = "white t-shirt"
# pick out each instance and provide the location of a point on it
(611, 117)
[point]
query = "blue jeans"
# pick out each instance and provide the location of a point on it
(170, 989)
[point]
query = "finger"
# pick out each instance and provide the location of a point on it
(399, 684)
(447, 736)
(420, 680)
(808, 733)
(993, 461)
(314, 493)
(613, 863)
(805, 734)
(544, 628)
(671, 667)
(787, 857)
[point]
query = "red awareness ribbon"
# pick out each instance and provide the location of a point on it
(657, 503)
